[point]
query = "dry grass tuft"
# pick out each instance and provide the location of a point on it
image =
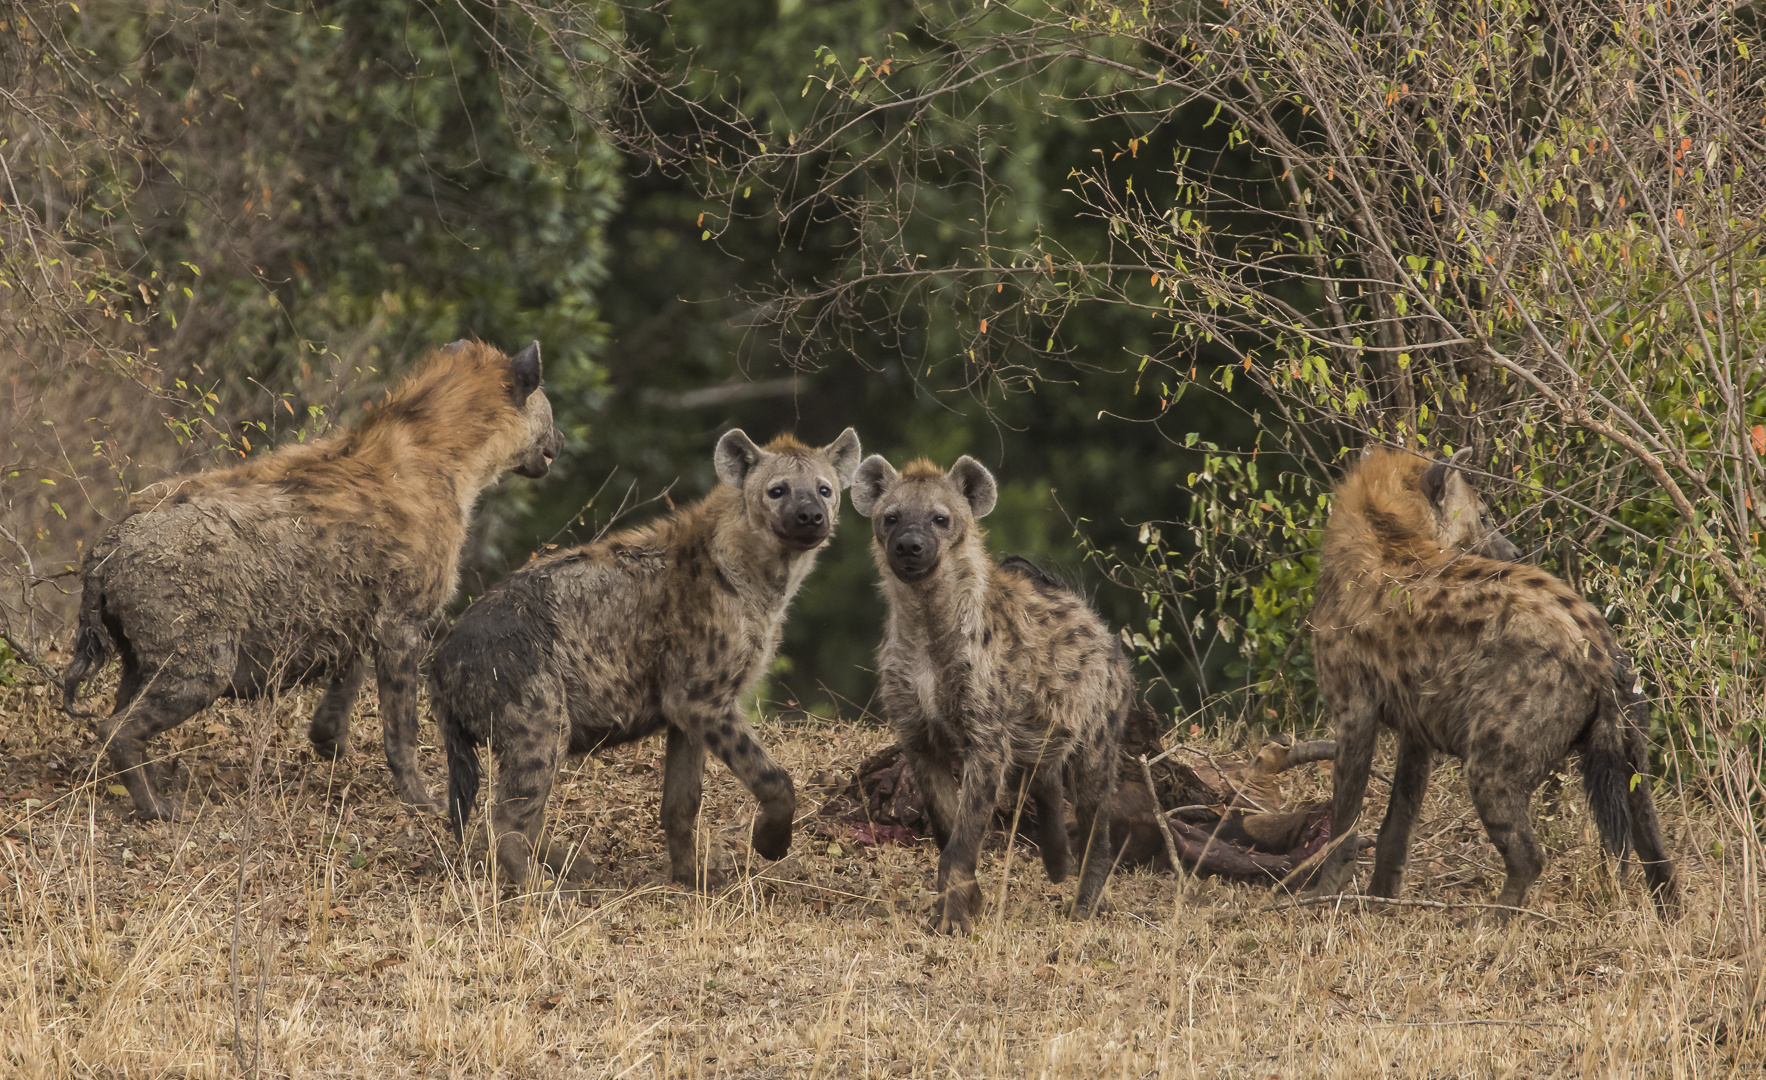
(353, 945)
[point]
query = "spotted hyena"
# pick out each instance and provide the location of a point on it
(1425, 624)
(662, 627)
(290, 567)
(993, 669)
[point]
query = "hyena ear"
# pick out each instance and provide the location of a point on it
(524, 367)
(874, 476)
(1435, 476)
(976, 483)
(736, 454)
(843, 453)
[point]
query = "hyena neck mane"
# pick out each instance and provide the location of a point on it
(948, 606)
(1382, 523)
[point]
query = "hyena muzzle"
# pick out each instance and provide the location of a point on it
(662, 627)
(1425, 624)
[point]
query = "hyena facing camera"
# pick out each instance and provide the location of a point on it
(994, 670)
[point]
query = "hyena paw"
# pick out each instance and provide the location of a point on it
(707, 881)
(330, 749)
(159, 810)
(1084, 908)
(954, 911)
(772, 839)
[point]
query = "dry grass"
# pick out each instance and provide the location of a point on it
(352, 946)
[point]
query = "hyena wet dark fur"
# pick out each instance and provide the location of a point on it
(288, 568)
(1424, 624)
(661, 627)
(996, 670)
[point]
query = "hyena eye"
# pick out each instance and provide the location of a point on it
(940, 520)
(825, 490)
(891, 518)
(777, 491)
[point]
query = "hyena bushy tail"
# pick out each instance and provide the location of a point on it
(461, 743)
(460, 740)
(1606, 775)
(92, 647)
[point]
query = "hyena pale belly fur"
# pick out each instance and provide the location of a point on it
(1424, 624)
(287, 568)
(992, 670)
(665, 626)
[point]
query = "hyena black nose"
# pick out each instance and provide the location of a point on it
(908, 547)
(810, 517)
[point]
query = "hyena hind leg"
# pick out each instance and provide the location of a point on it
(164, 702)
(1502, 806)
(1094, 772)
(525, 746)
(1410, 782)
(330, 729)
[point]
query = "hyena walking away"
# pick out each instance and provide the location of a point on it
(992, 669)
(663, 626)
(287, 568)
(1423, 624)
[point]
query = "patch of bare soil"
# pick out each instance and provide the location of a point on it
(300, 923)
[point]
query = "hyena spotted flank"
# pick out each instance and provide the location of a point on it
(1424, 624)
(994, 669)
(287, 568)
(665, 626)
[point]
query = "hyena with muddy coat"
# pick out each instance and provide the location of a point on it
(1424, 624)
(288, 568)
(665, 626)
(992, 670)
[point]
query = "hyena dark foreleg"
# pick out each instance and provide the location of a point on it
(683, 779)
(1048, 794)
(937, 785)
(330, 729)
(728, 734)
(1410, 782)
(396, 658)
(959, 896)
(1357, 729)
(1094, 770)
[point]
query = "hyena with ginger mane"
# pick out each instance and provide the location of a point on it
(1425, 624)
(288, 568)
(661, 627)
(994, 669)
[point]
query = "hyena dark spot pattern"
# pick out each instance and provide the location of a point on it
(288, 568)
(1541, 675)
(972, 673)
(599, 646)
